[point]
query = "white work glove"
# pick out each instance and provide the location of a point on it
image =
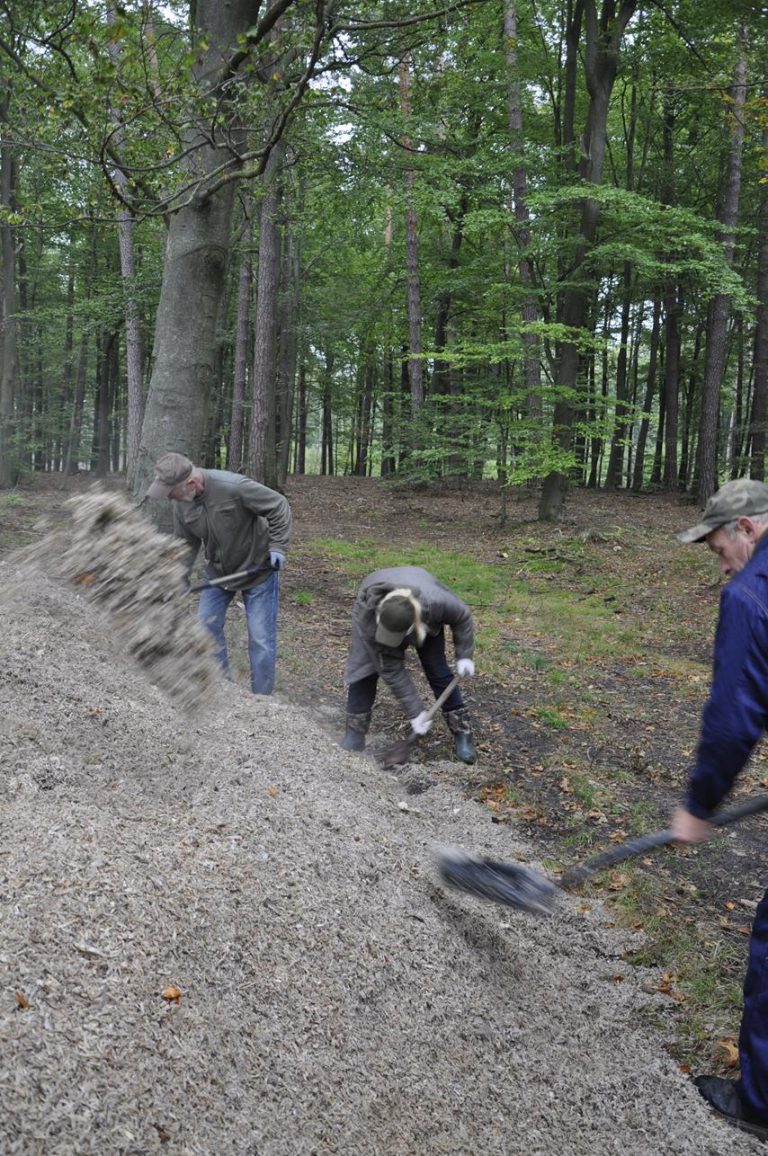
(421, 724)
(277, 559)
(465, 667)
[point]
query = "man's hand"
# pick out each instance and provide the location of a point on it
(465, 667)
(421, 724)
(277, 559)
(688, 829)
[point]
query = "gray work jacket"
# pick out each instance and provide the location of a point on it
(439, 608)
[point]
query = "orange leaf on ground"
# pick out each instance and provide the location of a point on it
(728, 1052)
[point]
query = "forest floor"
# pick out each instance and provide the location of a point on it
(339, 1000)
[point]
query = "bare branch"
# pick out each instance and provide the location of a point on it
(406, 21)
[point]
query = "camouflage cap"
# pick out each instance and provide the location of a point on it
(742, 498)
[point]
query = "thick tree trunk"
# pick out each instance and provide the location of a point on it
(714, 364)
(184, 354)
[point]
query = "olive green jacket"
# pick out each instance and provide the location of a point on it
(238, 522)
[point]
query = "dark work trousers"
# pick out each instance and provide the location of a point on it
(362, 694)
(753, 1038)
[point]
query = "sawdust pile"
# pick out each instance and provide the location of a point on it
(224, 937)
(131, 573)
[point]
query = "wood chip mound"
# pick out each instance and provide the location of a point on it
(117, 558)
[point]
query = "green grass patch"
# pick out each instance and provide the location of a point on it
(551, 717)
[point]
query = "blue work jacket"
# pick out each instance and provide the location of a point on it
(736, 713)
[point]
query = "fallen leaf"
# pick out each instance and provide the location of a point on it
(728, 1052)
(172, 993)
(22, 1000)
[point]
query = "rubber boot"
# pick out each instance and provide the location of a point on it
(461, 729)
(357, 729)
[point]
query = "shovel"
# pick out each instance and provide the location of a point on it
(515, 886)
(400, 752)
(247, 573)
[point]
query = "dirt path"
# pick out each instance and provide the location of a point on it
(333, 998)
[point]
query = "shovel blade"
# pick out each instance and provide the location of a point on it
(506, 883)
(397, 754)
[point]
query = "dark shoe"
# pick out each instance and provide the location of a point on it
(723, 1096)
(464, 748)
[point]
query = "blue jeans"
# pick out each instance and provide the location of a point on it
(753, 1037)
(261, 604)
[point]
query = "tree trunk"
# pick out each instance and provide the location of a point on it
(9, 450)
(714, 363)
(239, 371)
(415, 366)
(529, 309)
(261, 446)
(601, 61)
(760, 361)
(288, 356)
(671, 383)
(134, 337)
(185, 344)
(650, 389)
(615, 469)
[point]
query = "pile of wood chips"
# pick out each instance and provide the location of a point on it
(115, 555)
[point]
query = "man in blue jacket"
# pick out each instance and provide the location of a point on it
(736, 715)
(245, 529)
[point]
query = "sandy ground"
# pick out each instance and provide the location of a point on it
(333, 998)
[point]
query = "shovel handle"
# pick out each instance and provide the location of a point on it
(645, 843)
(442, 697)
(229, 578)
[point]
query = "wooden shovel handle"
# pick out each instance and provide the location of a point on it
(442, 697)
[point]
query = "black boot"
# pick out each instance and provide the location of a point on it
(357, 729)
(461, 729)
(723, 1096)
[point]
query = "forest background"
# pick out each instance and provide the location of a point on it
(512, 240)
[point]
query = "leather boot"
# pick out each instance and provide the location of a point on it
(461, 729)
(357, 729)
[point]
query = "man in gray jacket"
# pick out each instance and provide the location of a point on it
(244, 528)
(396, 608)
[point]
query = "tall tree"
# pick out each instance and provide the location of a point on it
(717, 329)
(604, 31)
